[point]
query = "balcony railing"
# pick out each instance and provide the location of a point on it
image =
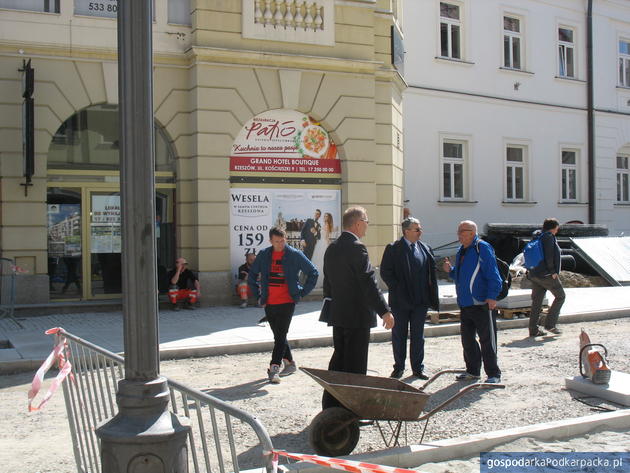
(297, 21)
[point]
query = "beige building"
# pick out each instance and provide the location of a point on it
(215, 70)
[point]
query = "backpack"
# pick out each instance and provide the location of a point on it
(533, 253)
(504, 272)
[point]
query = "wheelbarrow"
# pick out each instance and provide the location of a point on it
(367, 400)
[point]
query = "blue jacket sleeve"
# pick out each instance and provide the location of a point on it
(252, 277)
(490, 271)
(310, 271)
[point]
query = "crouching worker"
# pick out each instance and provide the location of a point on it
(183, 285)
(242, 288)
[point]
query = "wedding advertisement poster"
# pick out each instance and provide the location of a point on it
(311, 218)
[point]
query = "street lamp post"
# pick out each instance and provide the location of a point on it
(144, 436)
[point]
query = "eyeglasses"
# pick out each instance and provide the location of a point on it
(417, 230)
(464, 230)
(365, 220)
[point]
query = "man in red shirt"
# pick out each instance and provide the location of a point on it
(279, 289)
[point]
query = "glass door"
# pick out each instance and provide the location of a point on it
(65, 256)
(105, 244)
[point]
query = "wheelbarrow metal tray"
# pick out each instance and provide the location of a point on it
(372, 397)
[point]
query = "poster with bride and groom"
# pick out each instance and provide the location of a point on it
(311, 218)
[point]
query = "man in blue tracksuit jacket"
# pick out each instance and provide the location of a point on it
(478, 284)
(278, 290)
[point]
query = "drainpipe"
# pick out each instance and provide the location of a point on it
(590, 119)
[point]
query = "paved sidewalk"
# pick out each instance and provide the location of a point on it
(218, 330)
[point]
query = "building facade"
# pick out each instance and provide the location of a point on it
(496, 113)
(262, 109)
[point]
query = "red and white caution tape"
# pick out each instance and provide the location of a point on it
(340, 464)
(58, 354)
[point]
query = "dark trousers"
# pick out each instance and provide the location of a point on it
(539, 287)
(479, 320)
(406, 319)
(350, 355)
(279, 318)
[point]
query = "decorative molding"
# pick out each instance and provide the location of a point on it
(294, 21)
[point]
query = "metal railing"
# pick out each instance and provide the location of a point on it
(90, 397)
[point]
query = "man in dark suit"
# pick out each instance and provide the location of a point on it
(349, 281)
(311, 234)
(408, 268)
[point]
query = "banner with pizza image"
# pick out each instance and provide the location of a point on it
(286, 142)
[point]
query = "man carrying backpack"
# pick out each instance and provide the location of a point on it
(544, 277)
(478, 284)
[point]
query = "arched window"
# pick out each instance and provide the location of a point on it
(89, 139)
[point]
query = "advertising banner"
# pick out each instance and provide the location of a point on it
(286, 142)
(311, 218)
(64, 230)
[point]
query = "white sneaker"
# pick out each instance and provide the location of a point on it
(289, 368)
(274, 374)
(243, 305)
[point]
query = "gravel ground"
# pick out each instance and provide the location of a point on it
(533, 372)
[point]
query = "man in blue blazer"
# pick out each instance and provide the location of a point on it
(408, 268)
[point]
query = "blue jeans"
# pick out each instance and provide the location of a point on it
(404, 320)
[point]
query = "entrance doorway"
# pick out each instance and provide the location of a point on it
(83, 203)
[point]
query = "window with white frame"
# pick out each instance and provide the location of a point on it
(623, 176)
(624, 63)
(512, 42)
(179, 12)
(48, 6)
(569, 174)
(453, 168)
(515, 172)
(566, 53)
(450, 30)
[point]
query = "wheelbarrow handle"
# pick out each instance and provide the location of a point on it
(459, 394)
(437, 375)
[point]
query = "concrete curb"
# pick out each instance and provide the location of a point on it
(464, 447)
(378, 335)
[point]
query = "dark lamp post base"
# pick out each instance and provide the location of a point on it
(144, 437)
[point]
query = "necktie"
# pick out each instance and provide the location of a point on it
(412, 247)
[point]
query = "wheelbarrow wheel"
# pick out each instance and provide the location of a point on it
(334, 432)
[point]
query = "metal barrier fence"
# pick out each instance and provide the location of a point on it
(7, 289)
(90, 399)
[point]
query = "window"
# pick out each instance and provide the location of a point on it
(624, 63)
(566, 56)
(512, 42)
(515, 172)
(622, 179)
(453, 164)
(569, 175)
(450, 31)
(179, 12)
(48, 6)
